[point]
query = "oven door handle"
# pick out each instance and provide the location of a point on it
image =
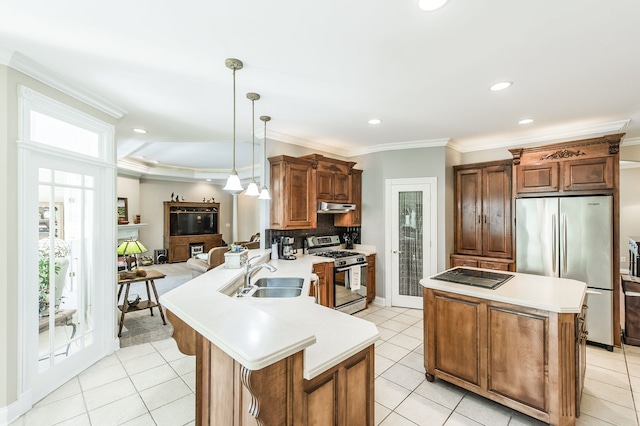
(346, 268)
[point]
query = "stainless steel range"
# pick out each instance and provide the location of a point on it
(349, 273)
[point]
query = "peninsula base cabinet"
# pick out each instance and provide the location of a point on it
(227, 393)
(527, 359)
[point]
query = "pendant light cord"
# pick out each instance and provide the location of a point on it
(234, 120)
(253, 141)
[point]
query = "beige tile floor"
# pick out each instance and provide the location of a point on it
(153, 384)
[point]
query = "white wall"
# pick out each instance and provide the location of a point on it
(129, 188)
(380, 166)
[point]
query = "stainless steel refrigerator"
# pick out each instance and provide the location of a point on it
(571, 237)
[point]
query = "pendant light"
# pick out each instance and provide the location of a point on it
(264, 194)
(252, 189)
(233, 181)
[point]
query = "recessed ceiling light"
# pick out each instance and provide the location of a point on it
(138, 130)
(501, 86)
(374, 121)
(526, 121)
(430, 5)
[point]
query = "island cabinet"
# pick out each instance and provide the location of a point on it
(531, 360)
(228, 393)
(482, 211)
(293, 193)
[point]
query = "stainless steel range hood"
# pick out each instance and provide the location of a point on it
(333, 208)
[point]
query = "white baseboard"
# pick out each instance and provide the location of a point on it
(14, 410)
(380, 301)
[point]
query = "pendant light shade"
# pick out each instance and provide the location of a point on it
(233, 181)
(252, 189)
(264, 193)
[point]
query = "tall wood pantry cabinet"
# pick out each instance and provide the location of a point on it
(483, 216)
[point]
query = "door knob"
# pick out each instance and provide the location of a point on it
(397, 251)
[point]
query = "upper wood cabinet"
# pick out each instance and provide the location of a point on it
(483, 209)
(586, 165)
(333, 178)
(354, 217)
(293, 195)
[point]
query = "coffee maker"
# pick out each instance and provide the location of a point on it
(286, 248)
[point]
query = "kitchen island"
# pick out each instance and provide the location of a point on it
(521, 344)
(280, 361)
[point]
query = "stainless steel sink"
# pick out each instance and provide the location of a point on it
(277, 292)
(288, 282)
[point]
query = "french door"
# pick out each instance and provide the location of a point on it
(67, 250)
(411, 223)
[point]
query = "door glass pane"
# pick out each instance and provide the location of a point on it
(410, 244)
(64, 294)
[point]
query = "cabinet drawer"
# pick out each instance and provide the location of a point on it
(457, 261)
(494, 265)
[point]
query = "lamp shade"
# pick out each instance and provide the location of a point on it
(264, 194)
(252, 189)
(131, 247)
(233, 183)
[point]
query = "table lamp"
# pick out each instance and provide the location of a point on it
(130, 247)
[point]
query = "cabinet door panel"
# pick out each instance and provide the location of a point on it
(322, 403)
(298, 206)
(533, 178)
(325, 186)
(468, 223)
(590, 174)
(341, 190)
(517, 356)
(496, 211)
(457, 350)
(357, 387)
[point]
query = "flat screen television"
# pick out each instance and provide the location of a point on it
(193, 223)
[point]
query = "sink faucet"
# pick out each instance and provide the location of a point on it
(249, 270)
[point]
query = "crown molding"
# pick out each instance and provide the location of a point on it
(21, 63)
(631, 141)
(595, 130)
(136, 169)
(431, 143)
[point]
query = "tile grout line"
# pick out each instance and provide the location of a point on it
(626, 364)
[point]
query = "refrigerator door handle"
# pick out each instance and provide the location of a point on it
(593, 292)
(554, 242)
(564, 243)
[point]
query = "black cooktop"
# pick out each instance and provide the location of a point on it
(474, 277)
(337, 254)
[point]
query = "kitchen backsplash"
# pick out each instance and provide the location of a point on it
(324, 227)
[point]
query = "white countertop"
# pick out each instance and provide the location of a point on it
(260, 331)
(559, 295)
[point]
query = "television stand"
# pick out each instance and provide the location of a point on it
(190, 224)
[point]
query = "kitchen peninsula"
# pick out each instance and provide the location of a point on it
(272, 361)
(521, 344)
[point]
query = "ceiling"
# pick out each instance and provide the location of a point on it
(324, 69)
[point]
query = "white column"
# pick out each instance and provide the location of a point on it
(234, 231)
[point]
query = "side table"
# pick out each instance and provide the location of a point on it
(63, 317)
(142, 304)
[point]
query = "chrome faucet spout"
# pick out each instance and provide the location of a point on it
(249, 270)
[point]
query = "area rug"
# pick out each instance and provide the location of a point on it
(140, 327)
